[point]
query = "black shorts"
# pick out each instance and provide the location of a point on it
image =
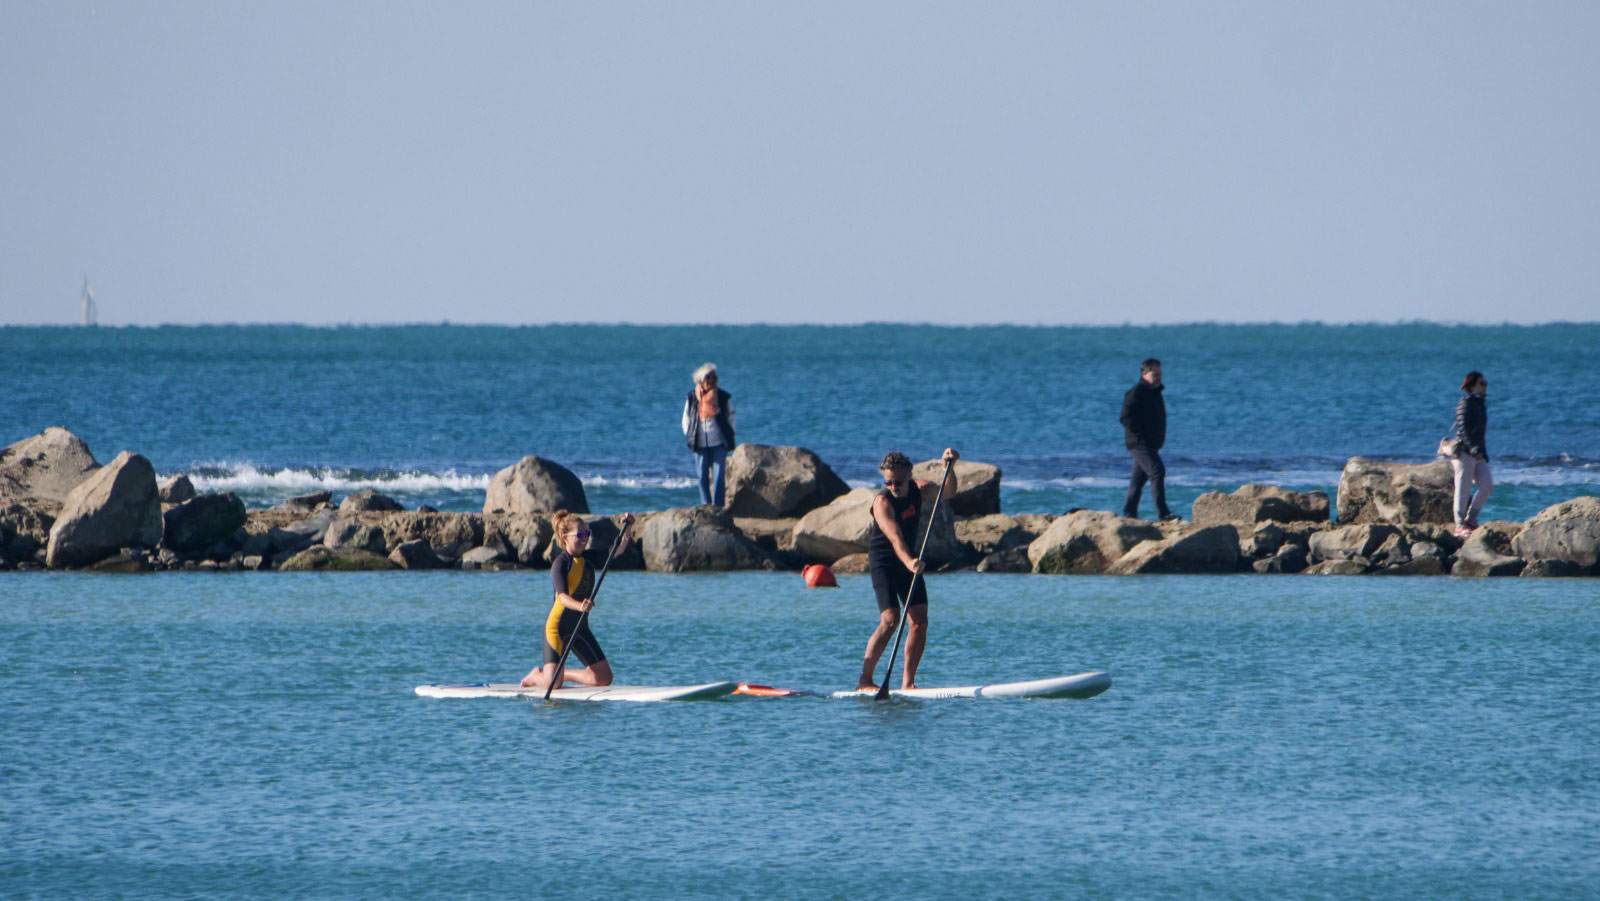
(891, 580)
(584, 645)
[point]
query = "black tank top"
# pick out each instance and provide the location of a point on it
(905, 511)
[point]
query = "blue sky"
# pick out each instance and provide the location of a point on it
(824, 162)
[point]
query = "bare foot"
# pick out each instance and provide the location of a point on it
(910, 686)
(866, 686)
(528, 683)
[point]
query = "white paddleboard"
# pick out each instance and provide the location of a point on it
(581, 692)
(1083, 685)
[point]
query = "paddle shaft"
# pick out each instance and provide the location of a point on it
(883, 690)
(599, 580)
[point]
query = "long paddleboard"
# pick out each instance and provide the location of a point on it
(581, 692)
(1082, 685)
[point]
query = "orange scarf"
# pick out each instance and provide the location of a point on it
(708, 403)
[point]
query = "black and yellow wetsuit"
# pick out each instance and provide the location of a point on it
(575, 577)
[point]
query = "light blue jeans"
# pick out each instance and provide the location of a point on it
(713, 461)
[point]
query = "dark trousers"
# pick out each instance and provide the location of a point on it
(1147, 466)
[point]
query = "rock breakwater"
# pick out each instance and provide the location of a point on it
(61, 509)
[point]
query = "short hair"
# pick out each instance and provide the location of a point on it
(1472, 378)
(895, 460)
(704, 370)
(1149, 364)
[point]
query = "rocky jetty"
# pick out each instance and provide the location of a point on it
(59, 508)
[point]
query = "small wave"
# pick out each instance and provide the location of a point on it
(249, 478)
(639, 481)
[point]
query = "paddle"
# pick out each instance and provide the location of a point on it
(883, 690)
(599, 580)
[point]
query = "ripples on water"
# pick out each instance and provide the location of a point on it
(256, 734)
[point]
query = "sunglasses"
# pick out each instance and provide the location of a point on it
(580, 533)
(894, 483)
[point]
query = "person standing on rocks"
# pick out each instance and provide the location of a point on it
(1144, 431)
(708, 423)
(572, 574)
(891, 544)
(1471, 460)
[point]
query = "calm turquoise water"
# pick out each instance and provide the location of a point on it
(256, 735)
(428, 413)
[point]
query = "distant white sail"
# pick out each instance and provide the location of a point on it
(91, 310)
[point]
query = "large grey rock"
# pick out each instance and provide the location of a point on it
(200, 522)
(1568, 532)
(850, 565)
(353, 533)
(522, 537)
(990, 534)
(25, 528)
(176, 489)
(117, 506)
(1552, 569)
(1350, 542)
(699, 538)
(48, 466)
(1211, 549)
(315, 526)
(837, 529)
(844, 527)
(977, 485)
(535, 485)
(1353, 567)
(1251, 504)
(1288, 558)
(1401, 493)
(344, 559)
(775, 536)
(778, 481)
(1488, 552)
(414, 555)
(285, 541)
(369, 500)
(449, 534)
(481, 558)
(309, 501)
(1012, 560)
(1088, 541)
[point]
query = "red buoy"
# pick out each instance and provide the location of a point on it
(818, 575)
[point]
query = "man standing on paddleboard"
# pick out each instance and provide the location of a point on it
(892, 564)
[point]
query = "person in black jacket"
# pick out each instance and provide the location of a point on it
(1144, 430)
(1471, 462)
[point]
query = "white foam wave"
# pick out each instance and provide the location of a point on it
(639, 481)
(248, 478)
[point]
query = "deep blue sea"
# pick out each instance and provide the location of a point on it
(428, 413)
(256, 734)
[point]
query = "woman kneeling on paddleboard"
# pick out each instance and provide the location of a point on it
(572, 574)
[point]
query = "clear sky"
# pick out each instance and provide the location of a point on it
(1065, 162)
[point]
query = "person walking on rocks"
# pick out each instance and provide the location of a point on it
(891, 544)
(572, 575)
(708, 423)
(1471, 459)
(1144, 431)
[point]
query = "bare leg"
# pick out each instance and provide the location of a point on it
(887, 621)
(597, 675)
(916, 637)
